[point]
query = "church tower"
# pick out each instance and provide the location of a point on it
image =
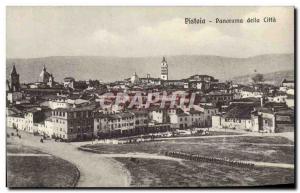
(44, 76)
(14, 80)
(164, 69)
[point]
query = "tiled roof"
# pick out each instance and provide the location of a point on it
(240, 111)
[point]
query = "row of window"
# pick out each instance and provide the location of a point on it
(72, 114)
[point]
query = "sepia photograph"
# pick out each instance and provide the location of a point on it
(150, 97)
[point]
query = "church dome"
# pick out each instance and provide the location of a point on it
(44, 75)
(134, 79)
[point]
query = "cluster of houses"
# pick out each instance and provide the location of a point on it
(71, 110)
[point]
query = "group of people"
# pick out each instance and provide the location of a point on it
(198, 158)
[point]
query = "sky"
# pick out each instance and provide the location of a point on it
(33, 32)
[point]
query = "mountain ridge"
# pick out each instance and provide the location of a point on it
(180, 66)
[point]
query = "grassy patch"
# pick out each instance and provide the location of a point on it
(39, 171)
(10, 148)
(165, 173)
(236, 148)
(168, 173)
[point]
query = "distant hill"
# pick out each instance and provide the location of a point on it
(271, 78)
(118, 68)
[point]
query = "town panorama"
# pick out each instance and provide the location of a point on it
(160, 125)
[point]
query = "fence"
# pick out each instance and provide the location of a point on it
(198, 158)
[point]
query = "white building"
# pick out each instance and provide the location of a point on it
(12, 97)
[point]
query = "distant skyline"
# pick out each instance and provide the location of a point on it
(34, 32)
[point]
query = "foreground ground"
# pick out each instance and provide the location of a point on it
(144, 164)
(95, 170)
(27, 167)
(272, 155)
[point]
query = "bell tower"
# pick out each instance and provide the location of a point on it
(164, 69)
(14, 80)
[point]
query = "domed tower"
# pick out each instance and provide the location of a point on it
(14, 80)
(164, 69)
(44, 76)
(134, 79)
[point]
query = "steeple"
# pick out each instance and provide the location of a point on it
(14, 80)
(14, 71)
(164, 69)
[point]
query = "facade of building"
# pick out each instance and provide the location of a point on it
(208, 111)
(117, 123)
(25, 121)
(238, 117)
(72, 123)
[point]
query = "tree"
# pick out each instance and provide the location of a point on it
(258, 78)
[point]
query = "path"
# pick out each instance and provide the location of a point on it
(163, 157)
(95, 170)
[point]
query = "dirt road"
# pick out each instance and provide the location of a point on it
(95, 170)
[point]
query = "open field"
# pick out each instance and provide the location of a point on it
(36, 170)
(167, 173)
(261, 149)
(171, 173)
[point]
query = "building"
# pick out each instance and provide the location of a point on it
(158, 115)
(69, 82)
(13, 97)
(276, 121)
(218, 97)
(164, 69)
(238, 117)
(73, 123)
(14, 80)
(64, 102)
(135, 79)
(150, 81)
(288, 83)
(46, 77)
(141, 120)
(180, 120)
(14, 88)
(248, 92)
(208, 111)
(25, 121)
(174, 83)
(200, 82)
(116, 124)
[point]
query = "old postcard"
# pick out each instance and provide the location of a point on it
(150, 97)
